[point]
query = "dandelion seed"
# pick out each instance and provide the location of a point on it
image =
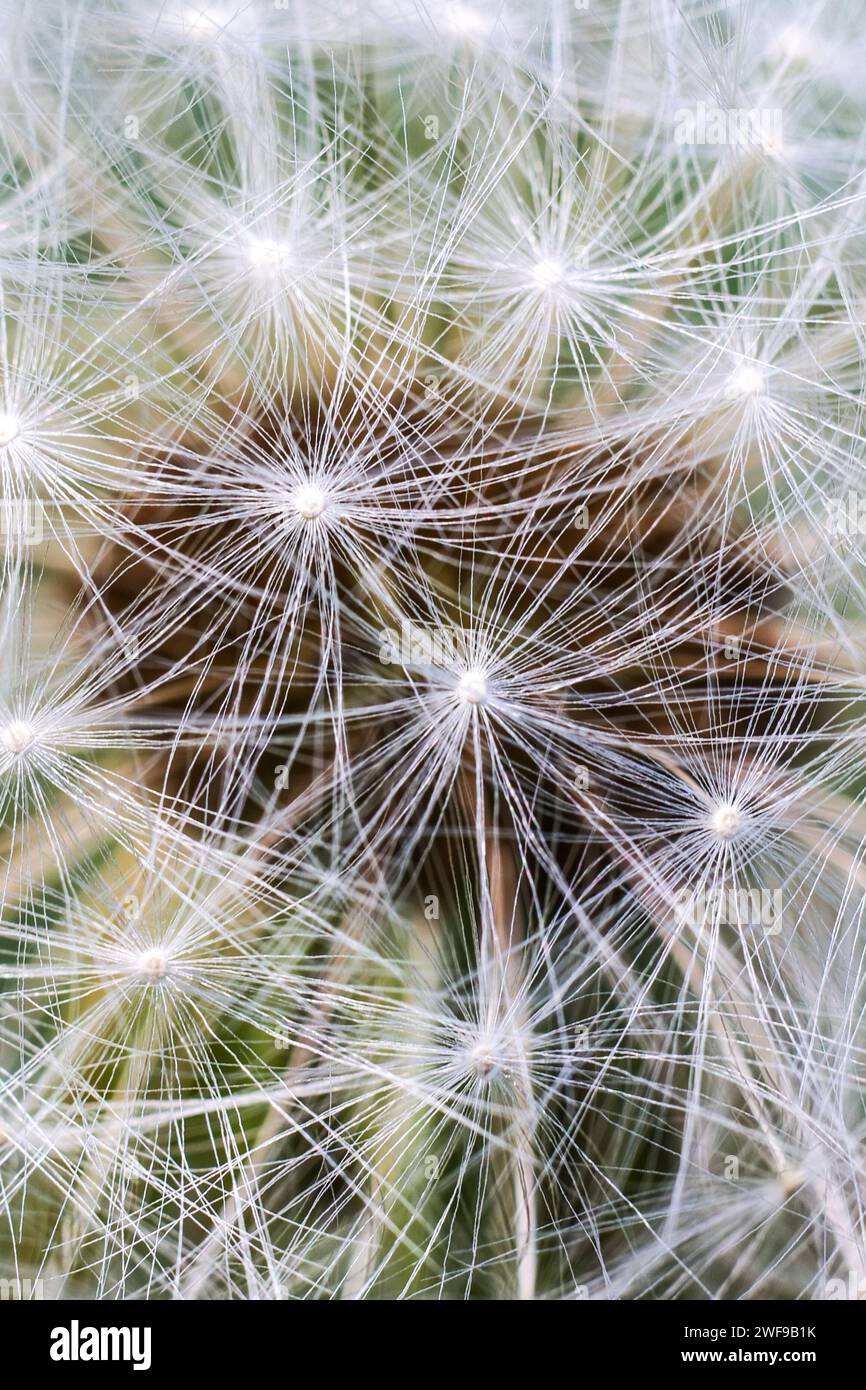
(268, 256)
(463, 22)
(203, 22)
(772, 144)
(548, 274)
(796, 44)
(472, 688)
(483, 1061)
(10, 429)
(726, 822)
(745, 381)
(152, 965)
(309, 501)
(790, 1180)
(17, 736)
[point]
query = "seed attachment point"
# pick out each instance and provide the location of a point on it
(17, 736)
(10, 429)
(746, 381)
(548, 274)
(152, 965)
(726, 821)
(472, 688)
(790, 1180)
(482, 1061)
(309, 501)
(267, 256)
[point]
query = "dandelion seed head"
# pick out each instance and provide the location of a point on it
(309, 501)
(10, 428)
(17, 736)
(665, 340)
(472, 687)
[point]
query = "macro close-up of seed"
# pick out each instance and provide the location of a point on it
(433, 632)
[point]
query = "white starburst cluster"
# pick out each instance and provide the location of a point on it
(433, 620)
